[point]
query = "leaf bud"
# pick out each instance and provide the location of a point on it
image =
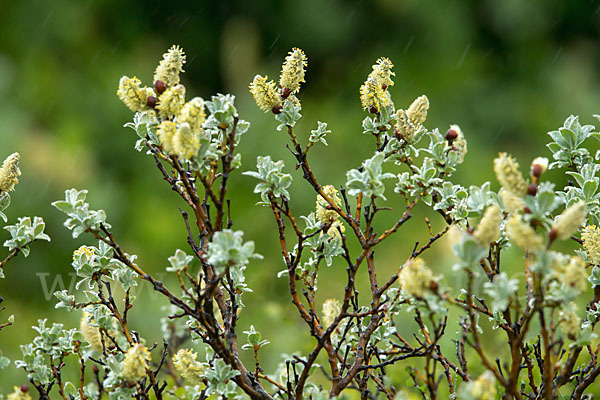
(151, 101)
(160, 86)
(451, 135)
(532, 189)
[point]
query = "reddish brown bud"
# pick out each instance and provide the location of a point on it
(451, 135)
(527, 210)
(151, 101)
(24, 388)
(276, 109)
(532, 189)
(285, 93)
(373, 110)
(384, 86)
(160, 86)
(537, 170)
(434, 286)
(95, 369)
(553, 234)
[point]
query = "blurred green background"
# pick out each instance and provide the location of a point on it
(507, 71)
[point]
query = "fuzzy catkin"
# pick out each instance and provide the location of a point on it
(574, 274)
(372, 96)
(512, 203)
(193, 114)
(508, 174)
(484, 387)
(415, 278)
(18, 394)
(404, 126)
(186, 143)
(523, 234)
(191, 370)
(9, 173)
(90, 333)
(325, 215)
(293, 70)
(570, 220)
(331, 309)
(591, 243)
(488, 230)
(417, 112)
(166, 132)
(264, 93)
(171, 102)
(382, 72)
(135, 363)
(569, 321)
(170, 66)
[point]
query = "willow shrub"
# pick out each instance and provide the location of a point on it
(551, 348)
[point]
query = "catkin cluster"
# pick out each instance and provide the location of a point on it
(180, 123)
(269, 96)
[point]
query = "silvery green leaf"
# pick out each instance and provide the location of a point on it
(319, 134)
(594, 278)
(81, 218)
(179, 261)
(289, 115)
(66, 300)
(469, 251)
(368, 179)
(502, 290)
(274, 181)
(4, 201)
(228, 249)
(24, 232)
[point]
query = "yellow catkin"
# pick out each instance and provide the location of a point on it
(9, 173)
(571, 219)
(171, 102)
(193, 114)
(484, 387)
(170, 66)
(591, 243)
(265, 93)
(372, 96)
(135, 363)
(132, 94)
(415, 278)
(508, 174)
(569, 321)
(459, 145)
(335, 229)
(417, 112)
(18, 394)
(488, 230)
(512, 203)
(404, 126)
(90, 333)
(323, 212)
(191, 370)
(382, 72)
(186, 143)
(293, 70)
(523, 234)
(166, 132)
(331, 309)
(574, 274)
